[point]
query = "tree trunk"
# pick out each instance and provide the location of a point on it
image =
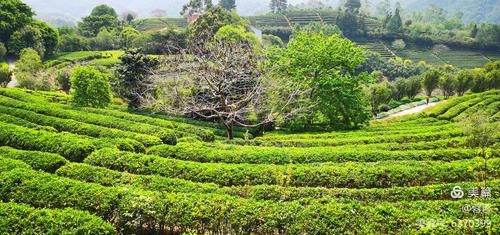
(229, 129)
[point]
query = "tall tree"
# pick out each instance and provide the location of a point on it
(278, 6)
(335, 87)
(50, 36)
(430, 81)
(134, 74)
(395, 24)
(14, 14)
(353, 5)
(27, 37)
(228, 4)
(196, 6)
(102, 16)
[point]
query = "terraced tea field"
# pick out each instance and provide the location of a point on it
(105, 171)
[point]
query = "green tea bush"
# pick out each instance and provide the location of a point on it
(21, 122)
(22, 219)
(95, 119)
(274, 155)
(7, 164)
(90, 87)
(72, 147)
(397, 138)
(48, 162)
(107, 177)
(351, 174)
(134, 211)
(80, 128)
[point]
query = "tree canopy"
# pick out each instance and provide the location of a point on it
(14, 14)
(326, 66)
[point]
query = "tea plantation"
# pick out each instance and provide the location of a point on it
(67, 170)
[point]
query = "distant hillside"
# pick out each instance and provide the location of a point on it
(474, 10)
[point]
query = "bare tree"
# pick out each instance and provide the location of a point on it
(226, 86)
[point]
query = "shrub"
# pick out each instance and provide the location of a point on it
(3, 51)
(80, 128)
(5, 75)
(91, 87)
(48, 162)
(275, 155)
(40, 106)
(135, 211)
(106, 177)
(22, 219)
(7, 164)
(353, 174)
(72, 147)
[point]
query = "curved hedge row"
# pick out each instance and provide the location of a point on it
(22, 219)
(185, 129)
(44, 97)
(48, 162)
(400, 138)
(107, 177)
(372, 131)
(483, 105)
(443, 108)
(21, 122)
(19, 99)
(351, 174)
(79, 127)
(7, 164)
(72, 147)
(136, 211)
(199, 152)
(168, 136)
(459, 108)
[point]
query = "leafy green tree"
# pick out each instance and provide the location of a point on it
(400, 88)
(205, 27)
(326, 66)
(165, 41)
(27, 37)
(127, 37)
(479, 81)
(378, 94)
(3, 51)
(236, 35)
(29, 61)
(101, 17)
(448, 84)
(395, 24)
(413, 86)
(14, 14)
(353, 5)
(430, 81)
(348, 22)
(228, 4)
(63, 78)
(106, 40)
(5, 75)
(27, 67)
(196, 6)
(134, 74)
(464, 78)
(50, 36)
(278, 6)
(90, 88)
